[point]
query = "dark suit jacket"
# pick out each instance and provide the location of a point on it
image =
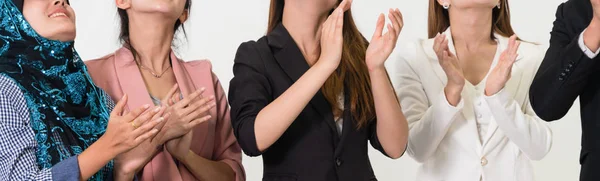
(310, 149)
(567, 73)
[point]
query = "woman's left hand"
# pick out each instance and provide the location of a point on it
(382, 45)
(501, 73)
(180, 147)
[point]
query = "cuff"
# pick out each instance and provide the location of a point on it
(587, 51)
(66, 170)
(501, 96)
(447, 106)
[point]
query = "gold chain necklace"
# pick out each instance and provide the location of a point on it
(152, 72)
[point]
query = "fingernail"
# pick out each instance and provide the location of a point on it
(157, 109)
(203, 88)
(160, 119)
(146, 106)
(154, 131)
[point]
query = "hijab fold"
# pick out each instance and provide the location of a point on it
(67, 111)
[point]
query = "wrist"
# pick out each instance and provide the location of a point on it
(375, 69)
(453, 94)
(104, 143)
(122, 176)
(326, 65)
(183, 158)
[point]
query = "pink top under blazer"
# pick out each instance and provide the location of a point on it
(118, 74)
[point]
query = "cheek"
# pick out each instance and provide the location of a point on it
(37, 20)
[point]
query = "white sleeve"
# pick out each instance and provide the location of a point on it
(428, 124)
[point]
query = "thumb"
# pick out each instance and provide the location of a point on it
(119, 108)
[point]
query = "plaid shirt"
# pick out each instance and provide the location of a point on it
(17, 140)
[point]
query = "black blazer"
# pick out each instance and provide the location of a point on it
(310, 149)
(567, 73)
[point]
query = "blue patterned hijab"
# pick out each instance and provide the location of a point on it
(67, 111)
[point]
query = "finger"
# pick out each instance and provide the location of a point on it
(150, 134)
(197, 122)
(149, 125)
(175, 98)
(199, 104)
(394, 20)
(119, 108)
(187, 100)
(345, 5)
(437, 42)
(325, 27)
(515, 46)
(444, 46)
(193, 117)
(145, 117)
(162, 122)
(193, 120)
(339, 24)
(399, 20)
(391, 32)
(136, 113)
(160, 113)
(379, 26)
(203, 110)
(171, 93)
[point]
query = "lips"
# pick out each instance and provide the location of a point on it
(58, 12)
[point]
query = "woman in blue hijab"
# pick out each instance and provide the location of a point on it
(55, 124)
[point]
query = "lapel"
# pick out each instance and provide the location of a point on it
(130, 79)
(290, 58)
(347, 125)
(468, 110)
(428, 48)
(512, 85)
(188, 85)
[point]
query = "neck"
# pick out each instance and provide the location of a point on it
(151, 37)
(471, 28)
(305, 28)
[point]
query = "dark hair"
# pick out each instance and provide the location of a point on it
(352, 70)
(439, 19)
(124, 35)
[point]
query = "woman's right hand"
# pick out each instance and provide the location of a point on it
(184, 114)
(332, 39)
(125, 132)
(452, 68)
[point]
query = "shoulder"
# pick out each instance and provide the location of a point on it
(415, 53)
(100, 62)
(12, 102)
(531, 53)
(98, 67)
(203, 64)
(578, 12)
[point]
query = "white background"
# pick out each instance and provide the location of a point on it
(217, 27)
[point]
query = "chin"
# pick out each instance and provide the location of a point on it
(64, 35)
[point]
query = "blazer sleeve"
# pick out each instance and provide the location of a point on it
(428, 123)
(249, 93)
(227, 149)
(519, 122)
(565, 70)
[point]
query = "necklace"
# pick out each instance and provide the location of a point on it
(152, 72)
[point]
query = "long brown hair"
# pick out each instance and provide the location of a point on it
(352, 70)
(439, 20)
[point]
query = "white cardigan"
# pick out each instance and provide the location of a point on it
(445, 138)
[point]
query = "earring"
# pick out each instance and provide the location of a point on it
(446, 5)
(499, 5)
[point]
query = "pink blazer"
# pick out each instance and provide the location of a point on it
(118, 74)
